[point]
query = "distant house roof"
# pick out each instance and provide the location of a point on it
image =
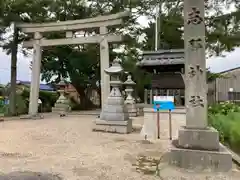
(229, 70)
(43, 87)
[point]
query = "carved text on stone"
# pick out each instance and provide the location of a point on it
(196, 101)
(196, 44)
(194, 70)
(194, 17)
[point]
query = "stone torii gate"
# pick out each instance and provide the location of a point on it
(101, 22)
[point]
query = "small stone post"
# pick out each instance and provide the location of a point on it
(62, 104)
(114, 116)
(130, 101)
(198, 145)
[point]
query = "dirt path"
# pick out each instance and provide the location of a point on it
(68, 147)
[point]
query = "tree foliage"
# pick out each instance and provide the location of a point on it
(13, 11)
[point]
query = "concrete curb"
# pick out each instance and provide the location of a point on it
(84, 113)
(235, 157)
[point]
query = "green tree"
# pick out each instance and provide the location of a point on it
(222, 26)
(11, 12)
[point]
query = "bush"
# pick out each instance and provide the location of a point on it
(225, 117)
(48, 99)
(1, 108)
(228, 127)
(224, 108)
(220, 123)
(234, 135)
(21, 106)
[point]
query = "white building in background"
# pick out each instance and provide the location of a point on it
(225, 88)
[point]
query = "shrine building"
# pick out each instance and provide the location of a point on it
(167, 70)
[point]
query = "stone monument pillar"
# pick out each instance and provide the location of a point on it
(114, 116)
(130, 101)
(62, 104)
(198, 145)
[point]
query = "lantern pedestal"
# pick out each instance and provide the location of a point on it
(61, 106)
(114, 117)
(130, 100)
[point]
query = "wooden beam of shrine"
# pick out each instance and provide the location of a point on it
(109, 20)
(79, 40)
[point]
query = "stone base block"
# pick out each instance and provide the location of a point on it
(200, 160)
(132, 110)
(202, 139)
(61, 105)
(132, 114)
(34, 117)
(140, 112)
(122, 127)
(114, 116)
(61, 109)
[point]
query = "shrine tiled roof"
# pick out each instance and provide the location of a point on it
(162, 57)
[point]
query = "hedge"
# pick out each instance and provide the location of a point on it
(225, 117)
(48, 99)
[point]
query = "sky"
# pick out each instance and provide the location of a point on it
(23, 70)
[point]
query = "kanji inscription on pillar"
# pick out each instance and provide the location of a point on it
(193, 71)
(194, 16)
(195, 63)
(196, 44)
(197, 101)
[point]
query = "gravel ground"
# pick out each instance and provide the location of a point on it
(68, 147)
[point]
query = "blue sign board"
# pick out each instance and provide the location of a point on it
(6, 101)
(163, 103)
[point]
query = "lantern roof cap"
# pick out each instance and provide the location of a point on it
(129, 81)
(62, 82)
(115, 68)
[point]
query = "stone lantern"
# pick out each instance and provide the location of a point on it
(130, 100)
(62, 104)
(114, 116)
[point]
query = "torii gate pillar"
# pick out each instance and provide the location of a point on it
(104, 64)
(35, 79)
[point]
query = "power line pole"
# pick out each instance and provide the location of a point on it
(158, 24)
